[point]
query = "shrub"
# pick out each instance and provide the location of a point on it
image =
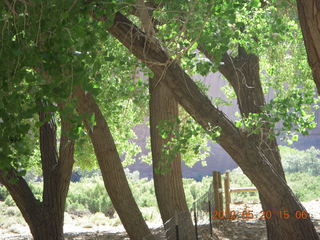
(195, 190)
(3, 193)
(305, 186)
(143, 192)
(99, 219)
(36, 188)
(294, 160)
(9, 201)
(89, 194)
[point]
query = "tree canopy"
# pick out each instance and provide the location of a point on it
(104, 53)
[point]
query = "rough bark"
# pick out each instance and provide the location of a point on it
(22, 195)
(112, 171)
(45, 219)
(168, 186)
(240, 147)
(309, 17)
(243, 73)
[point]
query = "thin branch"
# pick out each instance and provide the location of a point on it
(145, 18)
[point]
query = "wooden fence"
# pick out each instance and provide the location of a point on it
(217, 191)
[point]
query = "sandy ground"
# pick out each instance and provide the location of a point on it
(238, 229)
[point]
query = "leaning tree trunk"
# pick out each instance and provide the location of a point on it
(45, 219)
(236, 142)
(309, 17)
(243, 73)
(112, 171)
(168, 184)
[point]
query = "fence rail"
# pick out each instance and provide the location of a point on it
(249, 189)
(228, 191)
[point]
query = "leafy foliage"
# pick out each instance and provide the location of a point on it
(39, 61)
(46, 50)
(286, 76)
(307, 161)
(183, 137)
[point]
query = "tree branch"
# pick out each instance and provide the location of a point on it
(21, 194)
(181, 85)
(145, 18)
(66, 160)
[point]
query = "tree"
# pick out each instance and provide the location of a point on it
(243, 149)
(243, 74)
(29, 120)
(45, 64)
(45, 218)
(111, 168)
(46, 51)
(308, 12)
(167, 173)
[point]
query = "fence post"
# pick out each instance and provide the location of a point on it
(227, 193)
(195, 219)
(210, 216)
(218, 201)
(177, 225)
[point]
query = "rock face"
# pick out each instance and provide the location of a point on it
(218, 160)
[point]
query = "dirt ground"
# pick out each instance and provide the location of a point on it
(238, 229)
(254, 229)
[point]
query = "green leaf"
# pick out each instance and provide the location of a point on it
(295, 138)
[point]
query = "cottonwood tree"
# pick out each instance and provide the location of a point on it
(167, 173)
(167, 179)
(309, 17)
(44, 217)
(28, 121)
(264, 170)
(111, 168)
(242, 71)
(50, 50)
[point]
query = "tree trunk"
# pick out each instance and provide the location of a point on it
(243, 73)
(45, 219)
(49, 228)
(309, 17)
(44, 223)
(168, 185)
(111, 168)
(236, 142)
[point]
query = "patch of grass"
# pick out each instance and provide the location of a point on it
(305, 186)
(114, 221)
(239, 180)
(151, 214)
(99, 219)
